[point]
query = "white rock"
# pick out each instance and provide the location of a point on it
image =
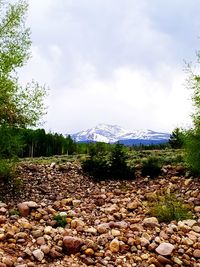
(165, 249)
(38, 254)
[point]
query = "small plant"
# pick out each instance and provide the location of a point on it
(60, 220)
(151, 167)
(167, 208)
(13, 212)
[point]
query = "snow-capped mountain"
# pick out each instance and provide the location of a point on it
(113, 133)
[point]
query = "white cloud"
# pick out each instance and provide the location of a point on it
(110, 62)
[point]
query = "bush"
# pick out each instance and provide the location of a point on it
(114, 166)
(60, 220)
(151, 167)
(167, 208)
(97, 167)
(118, 164)
(7, 170)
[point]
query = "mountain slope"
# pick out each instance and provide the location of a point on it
(113, 133)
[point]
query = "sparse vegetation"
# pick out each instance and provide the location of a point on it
(167, 208)
(112, 166)
(151, 167)
(60, 220)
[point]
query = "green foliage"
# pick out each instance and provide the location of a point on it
(10, 142)
(151, 167)
(192, 145)
(192, 141)
(7, 170)
(60, 220)
(118, 163)
(113, 166)
(19, 106)
(176, 138)
(167, 208)
(14, 212)
(96, 166)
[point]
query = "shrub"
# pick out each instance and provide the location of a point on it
(151, 167)
(60, 220)
(7, 170)
(167, 208)
(97, 167)
(118, 165)
(114, 166)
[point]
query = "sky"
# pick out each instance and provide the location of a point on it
(119, 62)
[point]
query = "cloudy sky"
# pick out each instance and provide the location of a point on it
(113, 61)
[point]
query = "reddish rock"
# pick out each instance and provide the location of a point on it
(163, 260)
(196, 253)
(23, 209)
(72, 244)
(2, 219)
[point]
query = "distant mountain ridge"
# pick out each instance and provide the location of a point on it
(114, 133)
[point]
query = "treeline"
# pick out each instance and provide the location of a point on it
(36, 143)
(23, 142)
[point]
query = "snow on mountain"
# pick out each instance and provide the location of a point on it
(113, 133)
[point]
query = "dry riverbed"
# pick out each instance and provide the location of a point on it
(108, 223)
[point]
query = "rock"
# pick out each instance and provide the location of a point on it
(23, 209)
(2, 219)
(152, 222)
(197, 209)
(76, 223)
(196, 228)
(165, 249)
(132, 205)
(115, 232)
(31, 204)
(144, 242)
(54, 254)
(91, 230)
(72, 244)
(103, 228)
(48, 230)
(8, 261)
(37, 233)
(188, 182)
(112, 209)
(189, 222)
(196, 253)
(45, 249)
(178, 261)
(38, 254)
(89, 252)
(163, 260)
(76, 202)
(114, 245)
(53, 165)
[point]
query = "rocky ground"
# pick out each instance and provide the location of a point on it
(108, 223)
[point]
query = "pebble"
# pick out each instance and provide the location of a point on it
(114, 245)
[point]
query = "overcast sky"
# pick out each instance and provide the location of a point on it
(113, 61)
